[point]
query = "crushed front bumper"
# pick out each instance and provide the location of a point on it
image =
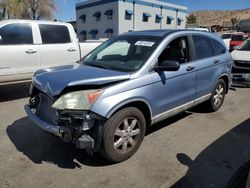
(83, 141)
(42, 124)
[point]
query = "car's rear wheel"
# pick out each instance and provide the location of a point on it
(218, 96)
(123, 134)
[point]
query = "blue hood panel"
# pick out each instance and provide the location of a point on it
(53, 81)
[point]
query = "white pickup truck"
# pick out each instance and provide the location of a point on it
(26, 46)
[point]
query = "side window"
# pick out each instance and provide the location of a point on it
(177, 50)
(117, 49)
(218, 48)
(54, 34)
(203, 47)
(13, 34)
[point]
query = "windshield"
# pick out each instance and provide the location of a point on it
(245, 46)
(226, 36)
(123, 53)
(237, 38)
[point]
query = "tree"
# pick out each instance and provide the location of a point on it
(37, 9)
(27, 9)
(191, 19)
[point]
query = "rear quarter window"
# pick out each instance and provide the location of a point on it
(218, 47)
(54, 34)
(203, 47)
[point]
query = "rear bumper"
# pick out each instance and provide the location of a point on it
(42, 124)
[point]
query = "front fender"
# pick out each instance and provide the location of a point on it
(106, 106)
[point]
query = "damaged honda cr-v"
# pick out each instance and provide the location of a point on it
(107, 100)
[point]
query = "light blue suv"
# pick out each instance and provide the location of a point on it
(106, 101)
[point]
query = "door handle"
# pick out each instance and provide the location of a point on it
(71, 49)
(30, 51)
(189, 68)
(216, 61)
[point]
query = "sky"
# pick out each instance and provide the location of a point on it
(66, 8)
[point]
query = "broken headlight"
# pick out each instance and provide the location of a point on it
(78, 100)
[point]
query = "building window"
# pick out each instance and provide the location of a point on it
(83, 35)
(109, 32)
(158, 18)
(169, 19)
(83, 18)
(97, 15)
(128, 14)
(94, 33)
(179, 21)
(109, 14)
(145, 17)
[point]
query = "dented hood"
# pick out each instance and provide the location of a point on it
(54, 81)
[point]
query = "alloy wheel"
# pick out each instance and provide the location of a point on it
(219, 95)
(126, 135)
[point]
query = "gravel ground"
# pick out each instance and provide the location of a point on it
(192, 149)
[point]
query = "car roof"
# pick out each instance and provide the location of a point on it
(31, 21)
(163, 33)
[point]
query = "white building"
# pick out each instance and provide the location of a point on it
(105, 18)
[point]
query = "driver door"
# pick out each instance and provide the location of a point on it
(174, 91)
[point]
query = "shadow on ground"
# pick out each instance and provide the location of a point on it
(14, 91)
(223, 164)
(40, 146)
(167, 122)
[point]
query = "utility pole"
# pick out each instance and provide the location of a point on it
(176, 18)
(133, 15)
(161, 19)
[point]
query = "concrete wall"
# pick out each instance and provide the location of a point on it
(123, 24)
(101, 25)
(139, 24)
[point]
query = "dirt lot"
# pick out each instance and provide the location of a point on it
(194, 148)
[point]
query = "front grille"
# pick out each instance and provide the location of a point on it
(245, 64)
(45, 110)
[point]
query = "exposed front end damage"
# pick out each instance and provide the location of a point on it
(62, 104)
(80, 127)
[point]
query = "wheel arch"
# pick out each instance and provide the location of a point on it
(225, 77)
(140, 104)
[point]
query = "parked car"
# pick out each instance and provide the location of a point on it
(226, 37)
(26, 46)
(130, 82)
(200, 29)
(241, 65)
(236, 40)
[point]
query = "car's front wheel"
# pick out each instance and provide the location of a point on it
(123, 134)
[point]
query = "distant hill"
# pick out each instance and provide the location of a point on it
(217, 17)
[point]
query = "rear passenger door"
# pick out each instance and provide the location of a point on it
(209, 63)
(18, 54)
(57, 46)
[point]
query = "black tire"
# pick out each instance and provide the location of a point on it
(128, 116)
(211, 105)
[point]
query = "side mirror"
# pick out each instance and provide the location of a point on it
(167, 65)
(1, 39)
